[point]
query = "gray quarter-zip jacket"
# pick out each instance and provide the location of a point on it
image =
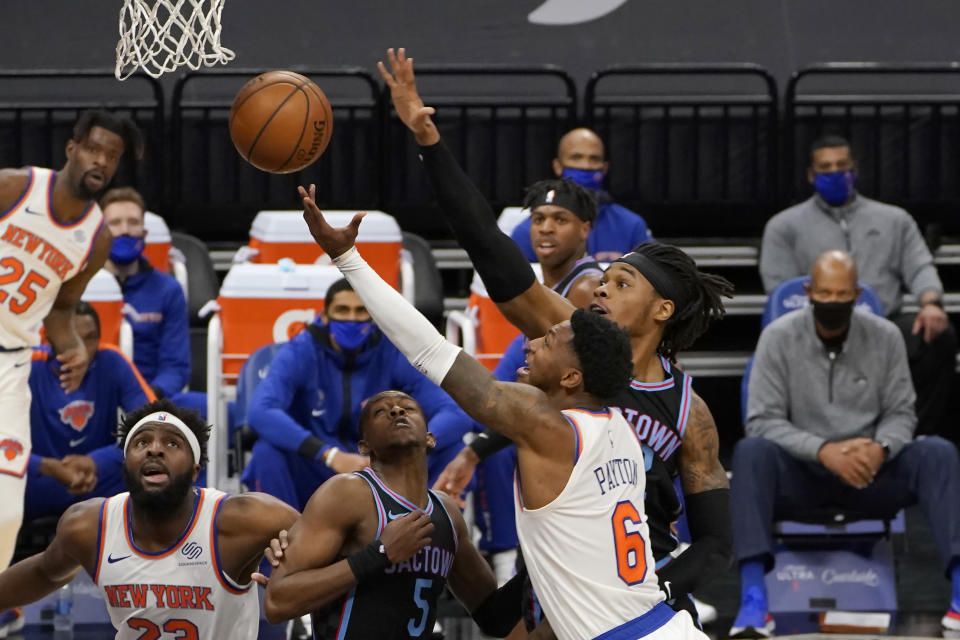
(891, 254)
(800, 397)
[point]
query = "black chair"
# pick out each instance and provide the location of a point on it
(428, 287)
(202, 281)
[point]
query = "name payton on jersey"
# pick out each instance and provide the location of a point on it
(616, 472)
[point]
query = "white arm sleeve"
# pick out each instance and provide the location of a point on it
(406, 327)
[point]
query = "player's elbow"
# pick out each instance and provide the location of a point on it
(274, 609)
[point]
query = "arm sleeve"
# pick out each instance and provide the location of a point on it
(898, 418)
(272, 399)
(919, 273)
(173, 366)
(777, 263)
(504, 269)
(446, 421)
(521, 235)
(768, 401)
(711, 534)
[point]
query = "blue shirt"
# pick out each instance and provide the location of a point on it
(616, 231)
(313, 389)
(155, 307)
(83, 422)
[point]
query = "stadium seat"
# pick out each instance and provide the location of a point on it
(826, 558)
(421, 278)
(258, 304)
(510, 217)
(201, 278)
(254, 370)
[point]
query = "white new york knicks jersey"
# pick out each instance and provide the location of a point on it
(588, 551)
(181, 592)
(38, 253)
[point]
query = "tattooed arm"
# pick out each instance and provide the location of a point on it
(707, 496)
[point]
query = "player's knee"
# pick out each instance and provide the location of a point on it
(935, 451)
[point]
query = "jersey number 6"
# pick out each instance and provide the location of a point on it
(630, 546)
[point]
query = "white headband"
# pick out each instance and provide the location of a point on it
(172, 420)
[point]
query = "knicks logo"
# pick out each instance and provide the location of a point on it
(77, 414)
(11, 448)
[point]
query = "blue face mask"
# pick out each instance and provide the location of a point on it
(836, 187)
(350, 335)
(586, 178)
(126, 249)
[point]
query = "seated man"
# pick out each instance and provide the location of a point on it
(306, 410)
(830, 422)
(154, 303)
(75, 454)
(891, 256)
(616, 230)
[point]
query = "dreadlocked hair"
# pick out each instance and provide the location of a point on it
(704, 303)
(189, 417)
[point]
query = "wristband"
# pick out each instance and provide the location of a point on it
(328, 456)
(937, 302)
(369, 562)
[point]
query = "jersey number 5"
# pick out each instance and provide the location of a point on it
(630, 546)
(28, 288)
(181, 629)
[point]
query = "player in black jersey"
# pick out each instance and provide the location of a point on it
(373, 550)
(658, 295)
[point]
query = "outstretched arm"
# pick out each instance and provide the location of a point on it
(505, 271)
(486, 399)
(707, 495)
(72, 549)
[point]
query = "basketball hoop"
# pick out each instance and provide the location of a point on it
(158, 36)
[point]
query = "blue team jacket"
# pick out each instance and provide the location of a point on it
(312, 389)
(616, 231)
(157, 310)
(84, 421)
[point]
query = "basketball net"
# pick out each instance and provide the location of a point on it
(158, 36)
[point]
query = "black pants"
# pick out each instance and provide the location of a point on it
(932, 367)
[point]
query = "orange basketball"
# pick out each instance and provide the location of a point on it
(280, 121)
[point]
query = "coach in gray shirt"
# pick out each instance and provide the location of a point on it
(892, 258)
(830, 422)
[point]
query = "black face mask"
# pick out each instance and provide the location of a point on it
(832, 315)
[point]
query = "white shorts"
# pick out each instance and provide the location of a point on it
(14, 411)
(679, 627)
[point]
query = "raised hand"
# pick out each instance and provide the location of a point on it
(457, 475)
(73, 366)
(406, 99)
(334, 242)
(405, 536)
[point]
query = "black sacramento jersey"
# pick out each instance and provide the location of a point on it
(403, 602)
(658, 413)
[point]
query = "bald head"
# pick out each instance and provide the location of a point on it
(833, 278)
(580, 148)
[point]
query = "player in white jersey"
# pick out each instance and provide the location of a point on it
(172, 561)
(52, 241)
(590, 535)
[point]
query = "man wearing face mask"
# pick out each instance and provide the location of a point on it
(892, 258)
(306, 411)
(616, 230)
(154, 303)
(830, 422)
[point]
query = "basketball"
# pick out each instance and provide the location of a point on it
(280, 122)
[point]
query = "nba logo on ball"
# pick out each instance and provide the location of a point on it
(281, 122)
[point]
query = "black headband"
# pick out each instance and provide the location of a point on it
(566, 200)
(663, 283)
